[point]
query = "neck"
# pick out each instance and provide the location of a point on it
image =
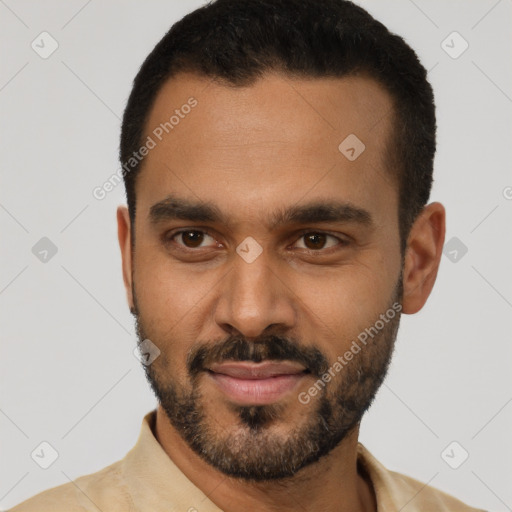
(331, 484)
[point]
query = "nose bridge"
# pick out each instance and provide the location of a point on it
(253, 297)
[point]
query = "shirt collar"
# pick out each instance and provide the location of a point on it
(153, 480)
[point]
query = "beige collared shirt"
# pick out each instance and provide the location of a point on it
(147, 480)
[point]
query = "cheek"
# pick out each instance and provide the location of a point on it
(165, 312)
(164, 289)
(172, 301)
(341, 304)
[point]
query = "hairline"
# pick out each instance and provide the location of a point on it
(390, 158)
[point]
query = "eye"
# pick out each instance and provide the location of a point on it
(190, 238)
(314, 241)
(317, 240)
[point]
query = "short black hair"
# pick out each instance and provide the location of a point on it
(237, 41)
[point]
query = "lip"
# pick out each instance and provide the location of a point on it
(249, 370)
(256, 383)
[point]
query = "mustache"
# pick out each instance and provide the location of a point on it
(264, 348)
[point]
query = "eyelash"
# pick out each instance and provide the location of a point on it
(169, 238)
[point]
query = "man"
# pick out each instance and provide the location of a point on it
(277, 157)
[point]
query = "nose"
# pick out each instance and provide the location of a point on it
(254, 297)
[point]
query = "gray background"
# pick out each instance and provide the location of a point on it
(68, 373)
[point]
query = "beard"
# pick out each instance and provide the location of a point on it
(254, 446)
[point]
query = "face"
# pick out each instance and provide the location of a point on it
(266, 265)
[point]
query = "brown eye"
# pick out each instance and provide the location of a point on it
(316, 241)
(191, 239)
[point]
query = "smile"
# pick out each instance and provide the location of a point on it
(256, 384)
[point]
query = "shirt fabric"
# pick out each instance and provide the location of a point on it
(147, 480)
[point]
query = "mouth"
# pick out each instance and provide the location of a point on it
(248, 383)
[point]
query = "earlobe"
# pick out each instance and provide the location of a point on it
(423, 256)
(125, 244)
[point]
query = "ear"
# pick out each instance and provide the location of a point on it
(125, 244)
(423, 256)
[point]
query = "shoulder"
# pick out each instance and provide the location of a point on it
(395, 491)
(103, 490)
(425, 497)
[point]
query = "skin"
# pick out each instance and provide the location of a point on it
(252, 151)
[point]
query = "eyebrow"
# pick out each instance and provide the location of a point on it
(174, 208)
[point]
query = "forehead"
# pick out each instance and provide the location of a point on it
(279, 138)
